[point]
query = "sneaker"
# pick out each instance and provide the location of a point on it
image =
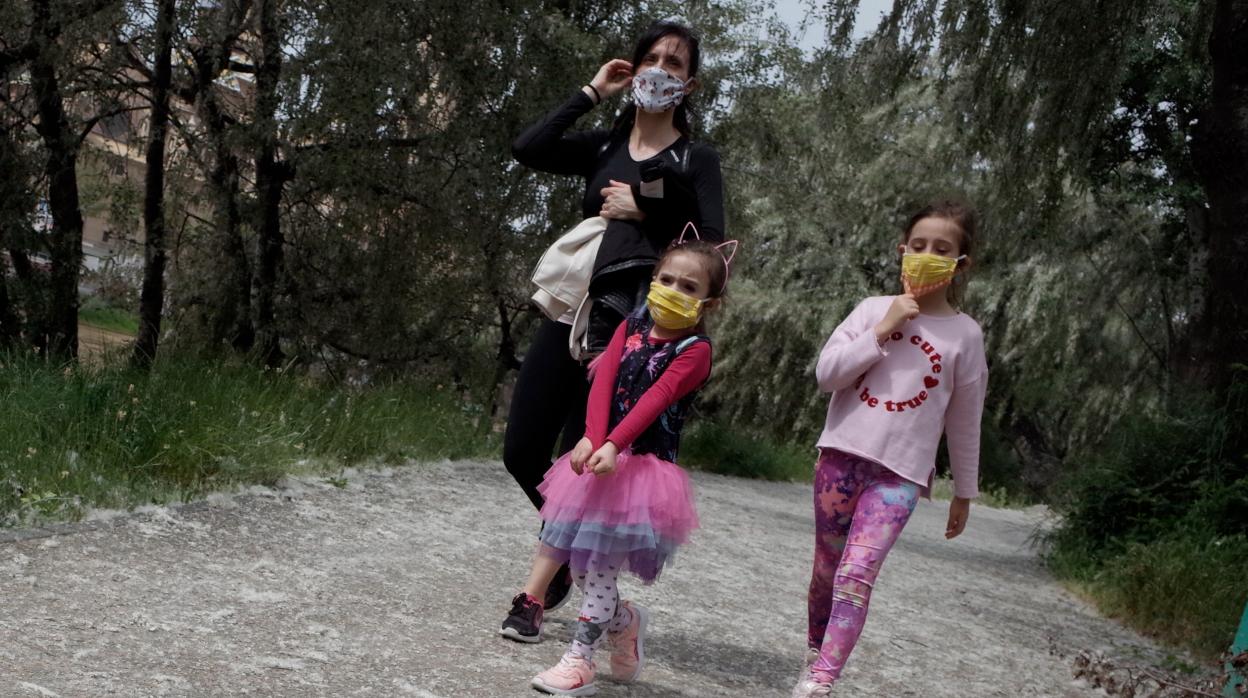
(572, 676)
(559, 591)
(809, 686)
(628, 652)
(524, 622)
(812, 655)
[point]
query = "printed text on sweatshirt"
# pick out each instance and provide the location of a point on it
(891, 402)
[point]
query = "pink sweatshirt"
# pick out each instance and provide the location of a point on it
(891, 403)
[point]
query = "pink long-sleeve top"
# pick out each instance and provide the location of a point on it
(891, 402)
(685, 374)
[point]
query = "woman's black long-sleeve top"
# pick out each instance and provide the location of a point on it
(693, 189)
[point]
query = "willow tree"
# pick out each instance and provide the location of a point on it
(1075, 142)
(1153, 91)
(410, 228)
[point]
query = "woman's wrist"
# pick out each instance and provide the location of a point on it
(592, 93)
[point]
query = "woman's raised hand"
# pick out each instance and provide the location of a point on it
(613, 76)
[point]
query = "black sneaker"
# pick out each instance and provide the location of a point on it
(524, 623)
(559, 591)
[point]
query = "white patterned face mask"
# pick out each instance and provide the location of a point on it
(656, 90)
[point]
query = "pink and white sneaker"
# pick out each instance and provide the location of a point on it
(572, 676)
(628, 646)
(810, 686)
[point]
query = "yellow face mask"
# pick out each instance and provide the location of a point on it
(922, 273)
(671, 309)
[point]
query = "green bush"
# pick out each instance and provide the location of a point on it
(708, 445)
(1155, 521)
(1186, 588)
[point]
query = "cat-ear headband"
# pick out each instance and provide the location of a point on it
(729, 245)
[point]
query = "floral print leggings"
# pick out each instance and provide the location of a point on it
(860, 509)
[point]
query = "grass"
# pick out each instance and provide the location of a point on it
(707, 445)
(111, 319)
(1154, 525)
(112, 437)
(995, 497)
(1186, 589)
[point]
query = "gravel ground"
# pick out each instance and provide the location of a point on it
(395, 586)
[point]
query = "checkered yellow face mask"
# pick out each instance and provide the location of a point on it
(922, 272)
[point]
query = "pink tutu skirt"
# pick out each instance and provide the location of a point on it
(633, 518)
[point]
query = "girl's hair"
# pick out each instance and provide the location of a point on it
(961, 214)
(653, 33)
(711, 260)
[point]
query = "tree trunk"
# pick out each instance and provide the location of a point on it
(9, 328)
(270, 179)
(234, 323)
(61, 170)
(230, 319)
(506, 359)
(1220, 151)
(14, 205)
(152, 298)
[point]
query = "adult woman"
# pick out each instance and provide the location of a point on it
(650, 141)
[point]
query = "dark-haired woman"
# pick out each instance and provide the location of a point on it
(648, 178)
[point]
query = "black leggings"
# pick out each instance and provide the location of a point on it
(549, 398)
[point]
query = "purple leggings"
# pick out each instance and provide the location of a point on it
(860, 509)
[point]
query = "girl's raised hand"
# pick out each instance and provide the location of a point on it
(613, 76)
(959, 510)
(903, 309)
(581, 453)
(603, 460)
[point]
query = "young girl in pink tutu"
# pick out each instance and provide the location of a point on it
(618, 502)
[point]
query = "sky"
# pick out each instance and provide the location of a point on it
(793, 11)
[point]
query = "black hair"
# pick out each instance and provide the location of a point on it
(658, 30)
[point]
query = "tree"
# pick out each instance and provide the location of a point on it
(1220, 154)
(51, 51)
(1076, 146)
(152, 300)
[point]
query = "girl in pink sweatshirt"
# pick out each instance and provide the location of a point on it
(901, 370)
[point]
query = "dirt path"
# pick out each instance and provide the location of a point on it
(395, 586)
(94, 342)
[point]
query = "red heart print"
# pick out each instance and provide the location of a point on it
(930, 382)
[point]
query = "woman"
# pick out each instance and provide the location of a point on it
(650, 141)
